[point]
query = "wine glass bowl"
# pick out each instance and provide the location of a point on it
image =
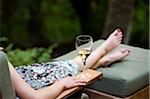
(84, 45)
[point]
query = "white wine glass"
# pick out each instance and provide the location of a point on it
(84, 44)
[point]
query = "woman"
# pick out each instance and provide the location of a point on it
(48, 80)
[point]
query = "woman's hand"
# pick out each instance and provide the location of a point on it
(70, 82)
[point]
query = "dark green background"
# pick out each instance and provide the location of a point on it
(47, 28)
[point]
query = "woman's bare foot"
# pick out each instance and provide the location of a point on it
(116, 56)
(113, 40)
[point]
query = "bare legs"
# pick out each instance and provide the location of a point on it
(115, 56)
(97, 58)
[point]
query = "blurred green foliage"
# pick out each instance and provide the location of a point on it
(27, 23)
(19, 56)
(60, 23)
(140, 24)
(37, 22)
(29, 56)
(54, 22)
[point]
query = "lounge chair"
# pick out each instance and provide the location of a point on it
(128, 79)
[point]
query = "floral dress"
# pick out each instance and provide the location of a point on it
(39, 75)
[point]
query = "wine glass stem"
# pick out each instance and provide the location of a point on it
(84, 69)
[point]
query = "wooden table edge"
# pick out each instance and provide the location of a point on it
(69, 92)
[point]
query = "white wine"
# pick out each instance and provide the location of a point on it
(84, 53)
(84, 45)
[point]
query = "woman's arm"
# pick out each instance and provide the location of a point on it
(55, 89)
(24, 90)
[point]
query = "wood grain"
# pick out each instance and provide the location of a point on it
(94, 76)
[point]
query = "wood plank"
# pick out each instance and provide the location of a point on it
(94, 76)
(98, 95)
(141, 94)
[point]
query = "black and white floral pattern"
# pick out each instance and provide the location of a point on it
(39, 75)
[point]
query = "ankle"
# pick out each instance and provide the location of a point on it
(102, 51)
(105, 61)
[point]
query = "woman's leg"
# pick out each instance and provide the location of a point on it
(115, 56)
(112, 42)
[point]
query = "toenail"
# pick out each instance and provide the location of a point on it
(119, 30)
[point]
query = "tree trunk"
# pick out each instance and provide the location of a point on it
(87, 16)
(35, 23)
(7, 10)
(119, 15)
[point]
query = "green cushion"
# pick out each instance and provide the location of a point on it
(122, 78)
